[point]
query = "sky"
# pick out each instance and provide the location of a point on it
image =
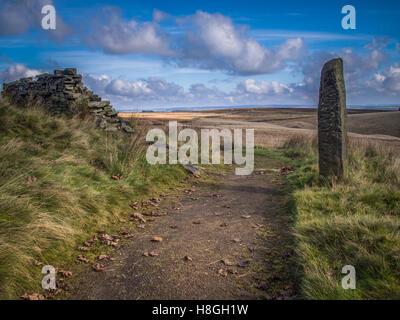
(145, 55)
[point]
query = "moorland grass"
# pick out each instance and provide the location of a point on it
(355, 221)
(56, 190)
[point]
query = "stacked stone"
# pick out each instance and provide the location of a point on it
(60, 93)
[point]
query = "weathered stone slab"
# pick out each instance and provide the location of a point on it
(332, 134)
(98, 104)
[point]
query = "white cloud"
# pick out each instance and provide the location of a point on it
(213, 41)
(17, 71)
(119, 36)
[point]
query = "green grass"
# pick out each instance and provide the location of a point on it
(353, 222)
(56, 190)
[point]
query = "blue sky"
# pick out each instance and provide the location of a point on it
(158, 54)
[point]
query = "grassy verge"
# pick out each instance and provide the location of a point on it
(353, 222)
(56, 190)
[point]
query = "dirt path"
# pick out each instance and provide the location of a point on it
(238, 219)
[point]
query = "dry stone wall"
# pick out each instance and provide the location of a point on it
(62, 93)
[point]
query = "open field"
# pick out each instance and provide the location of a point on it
(274, 126)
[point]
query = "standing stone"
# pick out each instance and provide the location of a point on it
(332, 135)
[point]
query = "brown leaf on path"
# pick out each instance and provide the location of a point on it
(37, 263)
(222, 272)
(97, 267)
(187, 258)
(223, 224)
(227, 262)
(34, 296)
(197, 222)
(174, 227)
(128, 236)
(138, 216)
(236, 240)
(83, 248)
(65, 274)
(87, 243)
(157, 239)
(83, 259)
(103, 257)
(150, 254)
(246, 217)
(134, 205)
(155, 214)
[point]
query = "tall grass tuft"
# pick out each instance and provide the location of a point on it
(55, 188)
(355, 222)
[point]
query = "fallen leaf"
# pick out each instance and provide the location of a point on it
(83, 259)
(222, 272)
(122, 220)
(37, 263)
(246, 217)
(87, 243)
(34, 296)
(224, 224)
(157, 239)
(138, 216)
(174, 227)
(103, 257)
(83, 248)
(236, 240)
(150, 254)
(197, 222)
(97, 267)
(187, 258)
(227, 262)
(64, 273)
(155, 214)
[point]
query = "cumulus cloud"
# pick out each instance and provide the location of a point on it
(264, 87)
(18, 17)
(156, 92)
(17, 71)
(207, 41)
(119, 36)
(388, 80)
(213, 41)
(358, 71)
